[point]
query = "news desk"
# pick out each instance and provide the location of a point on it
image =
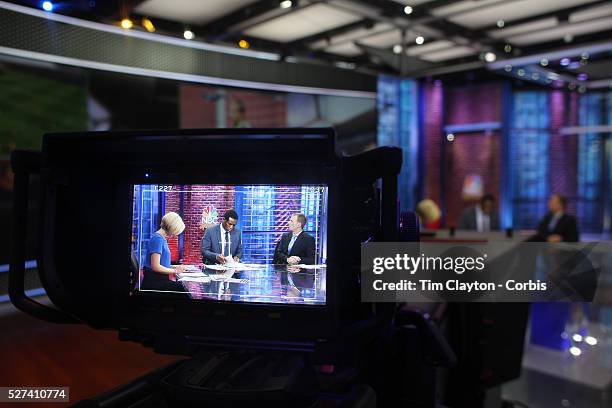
(267, 284)
(444, 235)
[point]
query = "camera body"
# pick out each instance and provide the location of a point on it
(88, 184)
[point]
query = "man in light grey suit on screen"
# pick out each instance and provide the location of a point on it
(222, 240)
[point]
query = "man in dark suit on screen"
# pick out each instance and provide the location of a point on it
(222, 241)
(295, 246)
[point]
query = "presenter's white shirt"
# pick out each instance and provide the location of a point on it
(483, 221)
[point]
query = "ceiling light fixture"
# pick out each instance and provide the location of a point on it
(397, 49)
(286, 4)
(47, 6)
(490, 56)
(244, 44)
(419, 40)
(543, 62)
(507, 48)
(126, 23)
(148, 25)
(188, 35)
(408, 10)
(501, 23)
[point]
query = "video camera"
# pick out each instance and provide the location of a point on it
(103, 194)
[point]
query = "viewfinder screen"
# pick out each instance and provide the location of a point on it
(234, 243)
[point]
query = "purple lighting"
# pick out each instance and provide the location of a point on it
(564, 62)
(582, 77)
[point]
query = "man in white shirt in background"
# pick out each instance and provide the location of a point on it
(482, 217)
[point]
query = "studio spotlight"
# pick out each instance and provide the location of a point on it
(148, 25)
(126, 23)
(47, 6)
(188, 34)
(490, 56)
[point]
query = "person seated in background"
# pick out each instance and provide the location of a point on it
(157, 267)
(295, 246)
(429, 214)
(481, 217)
(557, 226)
(223, 240)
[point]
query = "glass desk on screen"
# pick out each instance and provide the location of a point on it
(258, 283)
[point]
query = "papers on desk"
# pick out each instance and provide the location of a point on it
(203, 278)
(192, 269)
(303, 266)
(191, 274)
(221, 278)
(216, 267)
(234, 266)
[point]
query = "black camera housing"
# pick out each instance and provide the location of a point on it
(87, 188)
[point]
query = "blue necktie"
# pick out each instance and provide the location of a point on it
(291, 243)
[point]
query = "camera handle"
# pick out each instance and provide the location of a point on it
(25, 164)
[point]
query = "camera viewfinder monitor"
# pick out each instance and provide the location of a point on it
(248, 243)
(185, 238)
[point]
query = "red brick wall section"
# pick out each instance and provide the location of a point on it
(470, 153)
(172, 200)
(473, 104)
(195, 198)
(197, 106)
(432, 128)
(563, 165)
(262, 109)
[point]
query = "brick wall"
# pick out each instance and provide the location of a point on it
(197, 106)
(263, 109)
(470, 153)
(473, 104)
(432, 140)
(261, 221)
(195, 199)
(172, 200)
